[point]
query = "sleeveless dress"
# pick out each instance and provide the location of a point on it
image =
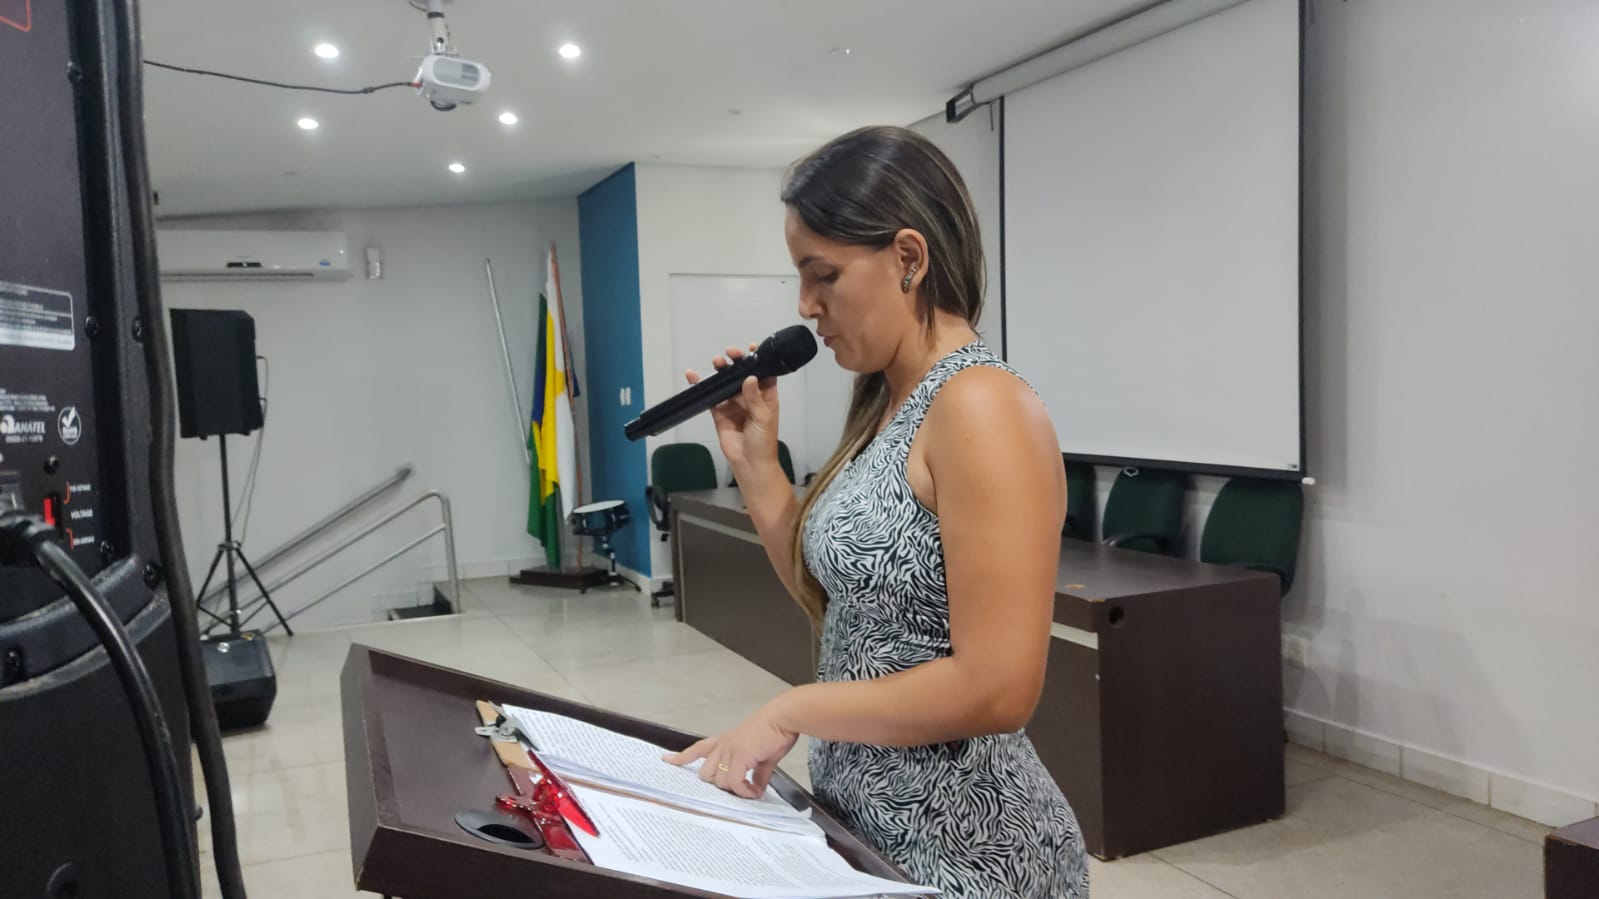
(980, 818)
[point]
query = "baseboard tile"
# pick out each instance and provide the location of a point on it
(1308, 732)
(645, 584)
(482, 568)
(433, 574)
(1526, 799)
(1452, 776)
(1363, 749)
(1536, 802)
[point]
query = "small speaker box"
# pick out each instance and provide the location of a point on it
(243, 682)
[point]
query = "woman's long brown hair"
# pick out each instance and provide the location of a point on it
(862, 189)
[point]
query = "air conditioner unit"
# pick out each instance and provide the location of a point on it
(253, 255)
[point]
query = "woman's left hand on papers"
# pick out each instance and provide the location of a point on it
(756, 745)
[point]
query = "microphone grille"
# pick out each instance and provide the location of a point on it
(787, 350)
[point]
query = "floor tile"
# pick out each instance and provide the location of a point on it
(1145, 877)
(324, 874)
(293, 812)
(1389, 783)
(590, 644)
(1341, 838)
(709, 719)
(1296, 772)
(289, 743)
(642, 686)
(1504, 822)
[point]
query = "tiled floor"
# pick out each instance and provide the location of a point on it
(1349, 831)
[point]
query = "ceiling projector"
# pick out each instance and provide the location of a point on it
(447, 81)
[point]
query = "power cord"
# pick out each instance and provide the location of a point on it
(25, 540)
(247, 502)
(279, 84)
(117, 102)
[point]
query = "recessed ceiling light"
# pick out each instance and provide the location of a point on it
(508, 118)
(457, 168)
(327, 51)
(570, 51)
(841, 51)
(308, 123)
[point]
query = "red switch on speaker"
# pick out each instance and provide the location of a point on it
(50, 511)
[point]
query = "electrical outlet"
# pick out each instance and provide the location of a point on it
(1296, 650)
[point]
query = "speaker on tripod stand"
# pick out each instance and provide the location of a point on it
(214, 352)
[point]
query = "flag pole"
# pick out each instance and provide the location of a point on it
(581, 578)
(510, 374)
(571, 393)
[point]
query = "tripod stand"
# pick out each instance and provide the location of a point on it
(231, 549)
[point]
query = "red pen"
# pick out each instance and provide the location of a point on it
(562, 796)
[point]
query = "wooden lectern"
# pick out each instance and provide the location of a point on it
(412, 763)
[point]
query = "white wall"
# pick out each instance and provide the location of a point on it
(369, 375)
(1452, 335)
(1448, 575)
(711, 312)
(973, 145)
(699, 221)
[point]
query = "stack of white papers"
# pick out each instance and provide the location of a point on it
(586, 754)
(650, 840)
(661, 821)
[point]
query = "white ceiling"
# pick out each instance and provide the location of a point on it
(656, 82)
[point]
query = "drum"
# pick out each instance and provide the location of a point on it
(599, 519)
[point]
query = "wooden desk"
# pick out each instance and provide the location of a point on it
(727, 590)
(1162, 713)
(1161, 716)
(1571, 861)
(412, 762)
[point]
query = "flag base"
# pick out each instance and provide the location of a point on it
(579, 579)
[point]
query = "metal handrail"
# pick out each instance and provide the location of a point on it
(311, 533)
(447, 528)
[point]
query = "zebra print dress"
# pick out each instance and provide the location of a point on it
(980, 818)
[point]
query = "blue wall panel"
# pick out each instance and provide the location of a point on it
(614, 347)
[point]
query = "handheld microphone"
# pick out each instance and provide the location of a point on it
(779, 354)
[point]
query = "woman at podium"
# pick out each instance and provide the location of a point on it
(926, 549)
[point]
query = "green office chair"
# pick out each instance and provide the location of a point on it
(783, 458)
(674, 468)
(1145, 510)
(1081, 504)
(1255, 523)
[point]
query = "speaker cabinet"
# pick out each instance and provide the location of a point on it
(214, 355)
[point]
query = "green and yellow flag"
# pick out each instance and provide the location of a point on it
(551, 438)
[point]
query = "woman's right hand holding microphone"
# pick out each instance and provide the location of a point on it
(746, 424)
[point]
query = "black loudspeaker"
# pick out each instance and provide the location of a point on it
(243, 684)
(214, 352)
(77, 809)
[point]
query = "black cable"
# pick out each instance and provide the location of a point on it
(279, 84)
(247, 501)
(129, 105)
(27, 540)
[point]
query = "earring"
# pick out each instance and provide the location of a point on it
(905, 285)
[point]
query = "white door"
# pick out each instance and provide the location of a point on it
(713, 312)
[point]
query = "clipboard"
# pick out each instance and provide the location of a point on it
(527, 797)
